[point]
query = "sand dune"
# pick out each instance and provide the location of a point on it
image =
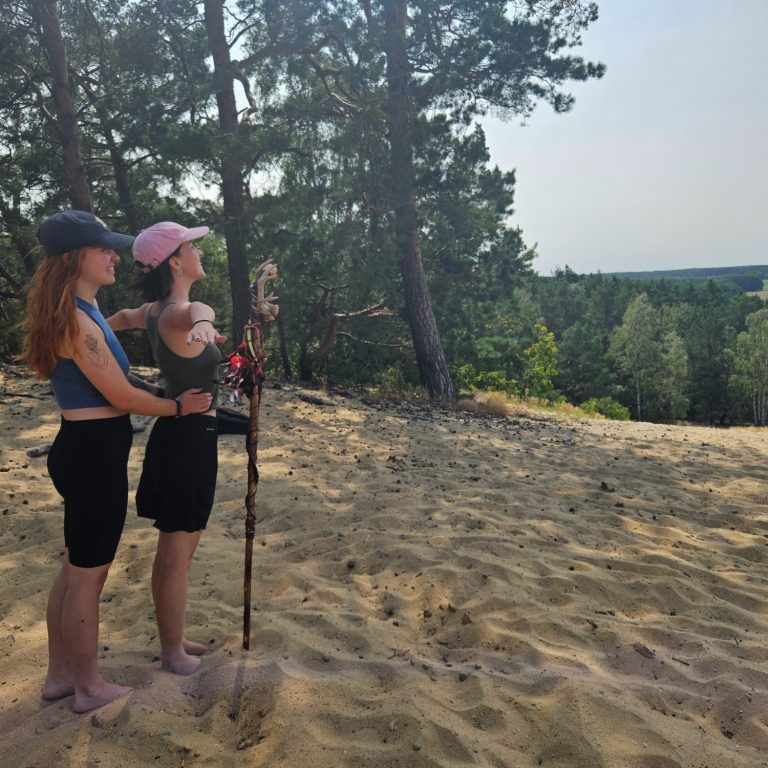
(429, 589)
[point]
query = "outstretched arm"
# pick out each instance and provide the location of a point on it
(147, 386)
(128, 319)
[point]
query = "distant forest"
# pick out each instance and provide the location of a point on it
(749, 278)
(344, 140)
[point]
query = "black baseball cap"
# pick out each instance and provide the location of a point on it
(70, 230)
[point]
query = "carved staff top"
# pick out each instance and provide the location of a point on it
(245, 364)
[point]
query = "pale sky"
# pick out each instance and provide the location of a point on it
(662, 164)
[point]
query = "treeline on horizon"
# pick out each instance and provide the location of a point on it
(344, 141)
(746, 278)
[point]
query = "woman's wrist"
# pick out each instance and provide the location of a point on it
(202, 320)
(165, 406)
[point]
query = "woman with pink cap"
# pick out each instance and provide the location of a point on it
(178, 479)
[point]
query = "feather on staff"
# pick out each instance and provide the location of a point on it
(245, 376)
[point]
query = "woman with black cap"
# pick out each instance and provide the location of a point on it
(69, 342)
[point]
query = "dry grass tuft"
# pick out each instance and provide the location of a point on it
(484, 403)
(487, 404)
(500, 404)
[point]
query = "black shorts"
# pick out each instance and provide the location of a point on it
(178, 480)
(88, 464)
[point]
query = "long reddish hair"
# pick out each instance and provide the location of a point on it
(51, 303)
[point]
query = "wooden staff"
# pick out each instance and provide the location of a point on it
(252, 448)
(246, 376)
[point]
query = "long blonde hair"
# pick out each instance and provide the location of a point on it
(51, 322)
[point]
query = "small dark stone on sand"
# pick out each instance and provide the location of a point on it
(644, 651)
(97, 722)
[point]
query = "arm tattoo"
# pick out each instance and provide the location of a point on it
(98, 356)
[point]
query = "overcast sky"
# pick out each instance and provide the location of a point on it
(662, 164)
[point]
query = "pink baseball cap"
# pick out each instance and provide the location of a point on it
(154, 245)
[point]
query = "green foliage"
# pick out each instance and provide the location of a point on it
(652, 358)
(468, 379)
(671, 399)
(606, 406)
(540, 365)
(394, 379)
(585, 368)
(751, 364)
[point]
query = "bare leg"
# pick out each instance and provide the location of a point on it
(170, 573)
(80, 632)
(59, 680)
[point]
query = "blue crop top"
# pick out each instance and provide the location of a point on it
(70, 386)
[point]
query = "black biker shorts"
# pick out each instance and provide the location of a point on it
(88, 464)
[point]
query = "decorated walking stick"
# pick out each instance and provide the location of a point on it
(245, 376)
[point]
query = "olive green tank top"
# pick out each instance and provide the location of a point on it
(182, 373)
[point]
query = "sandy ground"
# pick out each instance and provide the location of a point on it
(429, 589)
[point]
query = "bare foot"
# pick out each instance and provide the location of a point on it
(53, 690)
(86, 702)
(180, 663)
(193, 648)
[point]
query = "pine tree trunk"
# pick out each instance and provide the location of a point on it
(430, 357)
(122, 180)
(305, 365)
(47, 16)
(284, 357)
(231, 167)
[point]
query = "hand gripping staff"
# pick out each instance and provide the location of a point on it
(245, 376)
